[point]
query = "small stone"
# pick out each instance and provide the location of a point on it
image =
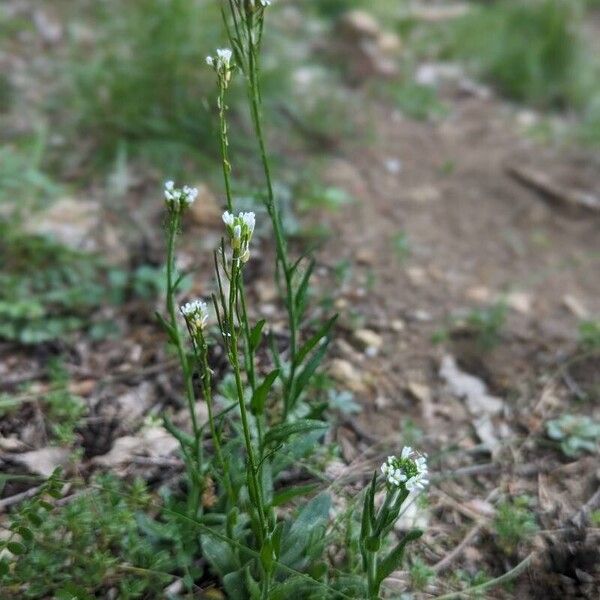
(346, 374)
(424, 194)
(205, 211)
(421, 315)
(365, 256)
(368, 339)
(267, 309)
(43, 461)
(479, 293)
(382, 402)
(266, 292)
(393, 166)
(520, 302)
(398, 325)
(576, 306)
(419, 391)
(417, 276)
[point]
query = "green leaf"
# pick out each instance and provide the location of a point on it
(16, 548)
(219, 554)
(300, 299)
(280, 433)
(266, 555)
(252, 585)
(170, 331)
(259, 398)
(284, 496)
(3, 567)
(25, 533)
(256, 335)
(394, 559)
(309, 370)
(295, 587)
(314, 340)
(368, 517)
(185, 439)
(313, 515)
(234, 585)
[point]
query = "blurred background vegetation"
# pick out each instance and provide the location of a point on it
(98, 98)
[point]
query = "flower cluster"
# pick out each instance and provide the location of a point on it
(196, 314)
(179, 198)
(240, 230)
(222, 65)
(410, 470)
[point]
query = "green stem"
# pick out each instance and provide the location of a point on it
(187, 374)
(254, 487)
(248, 352)
(372, 587)
(206, 385)
(224, 145)
(273, 210)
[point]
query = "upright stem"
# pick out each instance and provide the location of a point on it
(248, 353)
(206, 385)
(187, 375)
(273, 209)
(224, 145)
(253, 482)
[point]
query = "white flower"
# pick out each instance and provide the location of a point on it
(177, 198)
(409, 470)
(228, 218)
(196, 315)
(249, 219)
(224, 57)
(221, 63)
(240, 229)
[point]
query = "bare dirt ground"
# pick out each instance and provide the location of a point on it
(475, 234)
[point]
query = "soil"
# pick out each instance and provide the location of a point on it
(473, 235)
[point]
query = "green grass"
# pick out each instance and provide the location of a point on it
(48, 291)
(417, 101)
(143, 82)
(531, 51)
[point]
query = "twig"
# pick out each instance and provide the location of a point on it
(541, 183)
(580, 518)
(6, 502)
(449, 558)
(508, 576)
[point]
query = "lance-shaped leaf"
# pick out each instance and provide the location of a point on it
(314, 340)
(256, 335)
(394, 559)
(280, 433)
(257, 404)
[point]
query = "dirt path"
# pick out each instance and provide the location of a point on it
(473, 234)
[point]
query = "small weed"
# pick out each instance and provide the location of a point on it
(401, 245)
(64, 409)
(48, 290)
(89, 545)
(327, 197)
(589, 334)
(421, 575)
(514, 523)
(22, 178)
(575, 434)
(487, 323)
(418, 101)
